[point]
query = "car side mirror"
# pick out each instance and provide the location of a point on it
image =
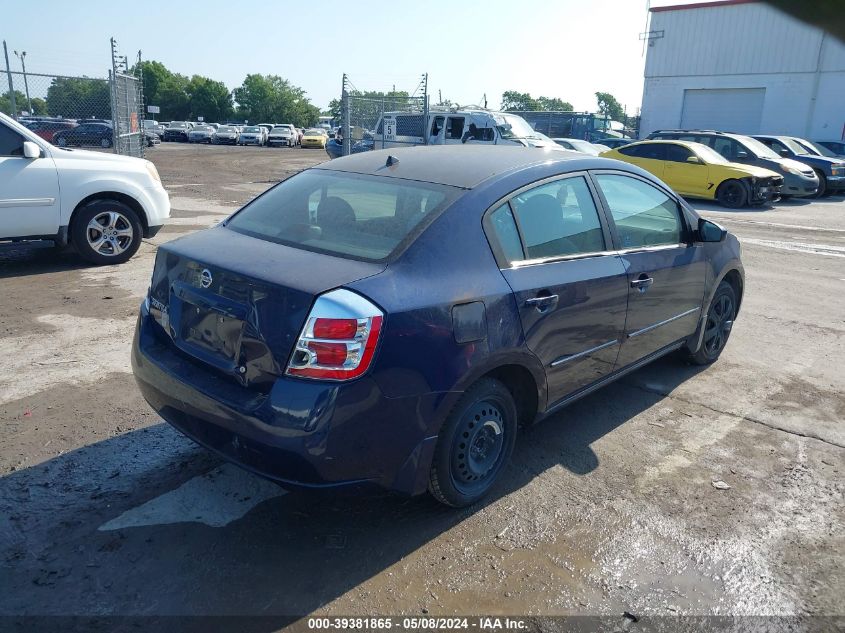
(784, 153)
(693, 160)
(741, 155)
(710, 231)
(31, 150)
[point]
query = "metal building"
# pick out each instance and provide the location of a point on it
(742, 66)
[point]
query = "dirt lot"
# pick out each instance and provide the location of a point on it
(606, 508)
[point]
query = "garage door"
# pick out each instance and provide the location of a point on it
(727, 110)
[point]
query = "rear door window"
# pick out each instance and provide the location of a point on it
(363, 217)
(558, 219)
(454, 127)
(643, 214)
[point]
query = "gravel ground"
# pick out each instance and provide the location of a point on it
(609, 507)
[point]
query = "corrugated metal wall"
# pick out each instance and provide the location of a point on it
(746, 46)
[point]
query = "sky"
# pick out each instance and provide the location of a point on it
(555, 48)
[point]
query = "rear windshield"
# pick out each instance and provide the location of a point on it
(361, 217)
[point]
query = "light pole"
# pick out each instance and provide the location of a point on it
(22, 57)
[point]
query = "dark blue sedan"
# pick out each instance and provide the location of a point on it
(392, 317)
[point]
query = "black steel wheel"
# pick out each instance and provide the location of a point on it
(717, 326)
(732, 194)
(474, 444)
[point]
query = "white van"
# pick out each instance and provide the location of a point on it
(457, 126)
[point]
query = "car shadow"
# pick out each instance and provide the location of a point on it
(21, 259)
(285, 558)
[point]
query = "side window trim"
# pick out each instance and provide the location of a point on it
(608, 216)
(597, 201)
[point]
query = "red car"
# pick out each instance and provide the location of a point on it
(48, 129)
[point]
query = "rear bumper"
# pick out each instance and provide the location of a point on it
(302, 434)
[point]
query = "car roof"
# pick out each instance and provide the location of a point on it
(462, 166)
(668, 141)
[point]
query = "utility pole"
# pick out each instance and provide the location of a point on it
(22, 57)
(11, 85)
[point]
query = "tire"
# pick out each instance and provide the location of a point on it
(717, 327)
(61, 142)
(94, 244)
(105, 143)
(732, 194)
(483, 421)
(822, 190)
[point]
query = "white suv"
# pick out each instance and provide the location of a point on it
(102, 204)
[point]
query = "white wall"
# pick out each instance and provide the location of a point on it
(746, 46)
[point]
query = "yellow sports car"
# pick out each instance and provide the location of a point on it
(314, 138)
(698, 171)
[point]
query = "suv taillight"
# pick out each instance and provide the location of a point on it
(339, 338)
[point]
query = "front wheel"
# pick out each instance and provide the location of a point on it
(474, 444)
(106, 232)
(717, 328)
(61, 141)
(732, 194)
(822, 185)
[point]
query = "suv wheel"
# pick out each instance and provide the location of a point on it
(474, 444)
(732, 194)
(717, 327)
(106, 232)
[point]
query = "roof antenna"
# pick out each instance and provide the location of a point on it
(391, 161)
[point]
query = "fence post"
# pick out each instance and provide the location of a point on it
(425, 128)
(11, 85)
(347, 142)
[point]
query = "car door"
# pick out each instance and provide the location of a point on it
(665, 267)
(29, 190)
(684, 177)
(571, 292)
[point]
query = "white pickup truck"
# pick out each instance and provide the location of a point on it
(102, 204)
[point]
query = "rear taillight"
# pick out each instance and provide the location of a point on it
(339, 338)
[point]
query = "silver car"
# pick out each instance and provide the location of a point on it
(226, 134)
(201, 134)
(252, 135)
(281, 135)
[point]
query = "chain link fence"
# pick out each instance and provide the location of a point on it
(68, 111)
(366, 122)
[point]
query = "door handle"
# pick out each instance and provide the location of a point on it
(543, 302)
(642, 283)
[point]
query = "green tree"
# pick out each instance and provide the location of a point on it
(209, 99)
(273, 99)
(609, 106)
(513, 101)
(554, 104)
(79, 98)
(6, 103)
(165, 89)
(39, 106)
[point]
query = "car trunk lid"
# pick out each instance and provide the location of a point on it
(238, 303)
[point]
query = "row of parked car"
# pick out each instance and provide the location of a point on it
(79, 132)
(262, 134)
(738, 170)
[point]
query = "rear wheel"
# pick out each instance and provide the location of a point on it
(106, 232)
(732, 194)
(717, 327)
(822, 190)
(474, 444)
